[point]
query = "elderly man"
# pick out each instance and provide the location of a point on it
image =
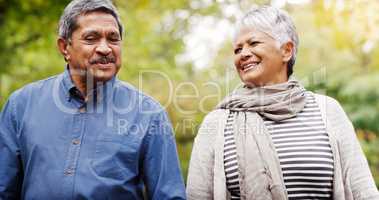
(84, 134)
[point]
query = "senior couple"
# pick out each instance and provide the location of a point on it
(270, 139)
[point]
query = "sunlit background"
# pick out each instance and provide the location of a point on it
(180, 53)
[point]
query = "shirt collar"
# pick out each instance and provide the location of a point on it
(71, 90)
(68, 85)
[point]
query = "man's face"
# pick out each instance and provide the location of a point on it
(95, 46)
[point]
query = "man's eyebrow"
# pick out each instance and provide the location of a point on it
(114, 33)
(91, 32)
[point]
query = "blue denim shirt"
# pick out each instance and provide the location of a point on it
(118, 144)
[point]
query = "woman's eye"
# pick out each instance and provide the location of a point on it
(253, 43)
(237, 51)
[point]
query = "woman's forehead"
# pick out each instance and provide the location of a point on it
(247, 33)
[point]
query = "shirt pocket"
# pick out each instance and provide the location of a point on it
(115, 155)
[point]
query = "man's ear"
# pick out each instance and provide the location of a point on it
(287, 50)
(62, 46)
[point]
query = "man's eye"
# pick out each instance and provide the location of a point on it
(90, 39)
(114, 39)
(237, 51)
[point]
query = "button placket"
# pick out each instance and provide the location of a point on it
(77, 132)
(69, 172)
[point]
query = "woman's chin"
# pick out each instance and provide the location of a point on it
(250, 79)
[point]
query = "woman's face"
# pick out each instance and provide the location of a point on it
(259, 59)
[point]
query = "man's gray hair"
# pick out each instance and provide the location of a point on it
(68, 20)
(276, 23)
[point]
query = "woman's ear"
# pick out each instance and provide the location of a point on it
(62, 46)
(287, 50)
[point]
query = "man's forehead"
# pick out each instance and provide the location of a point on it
(96, 21)
(97, 18)
(98, 29)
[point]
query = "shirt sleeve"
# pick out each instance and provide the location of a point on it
(355, 168)
(161, 171)
(10, 162)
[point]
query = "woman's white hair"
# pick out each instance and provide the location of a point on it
(276, 23)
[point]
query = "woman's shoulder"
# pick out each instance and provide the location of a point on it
(331, 108)
(326, 101)
(216, 115)
(214, 120)
(212, 123)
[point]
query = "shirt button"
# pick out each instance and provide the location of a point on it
(68, 172)
(76, 142)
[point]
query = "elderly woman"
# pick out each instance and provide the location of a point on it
(271, 138)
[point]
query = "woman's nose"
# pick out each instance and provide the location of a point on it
(246, 53)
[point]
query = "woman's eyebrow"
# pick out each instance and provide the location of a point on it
(253, 39)
(249, 39)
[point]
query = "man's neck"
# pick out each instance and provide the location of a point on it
(83, 82)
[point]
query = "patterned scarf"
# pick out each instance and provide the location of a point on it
(275, 102)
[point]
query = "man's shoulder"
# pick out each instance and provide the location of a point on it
(133, 94)
(35, 88)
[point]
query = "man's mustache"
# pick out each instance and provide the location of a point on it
(103, 60)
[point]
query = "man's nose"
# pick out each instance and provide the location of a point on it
(103, 48)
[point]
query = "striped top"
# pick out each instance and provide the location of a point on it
(303, 149)
(304, 152)
(230, 159)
